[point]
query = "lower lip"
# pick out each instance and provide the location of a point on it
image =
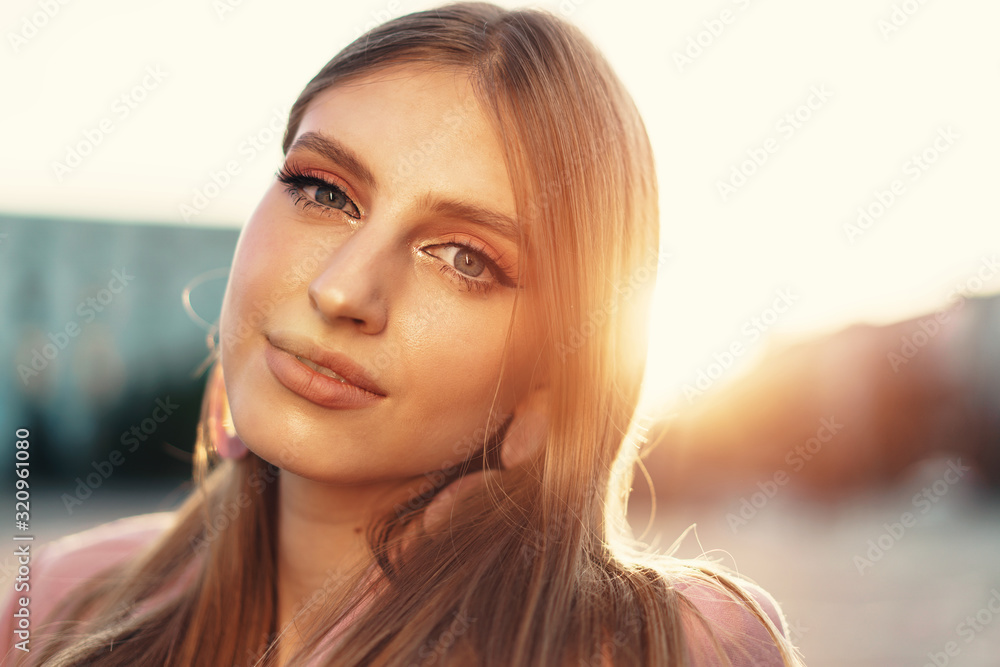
(316, 387)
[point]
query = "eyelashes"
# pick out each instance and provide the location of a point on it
(312, 193)
(471, 251)
(333, 197)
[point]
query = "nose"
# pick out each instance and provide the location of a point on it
(351, 284)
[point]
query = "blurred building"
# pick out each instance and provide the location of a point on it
(95, 332)
(844, 412)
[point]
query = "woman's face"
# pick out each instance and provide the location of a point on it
(388, 244)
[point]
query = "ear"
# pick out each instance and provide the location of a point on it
(220, 420)
(529, 427)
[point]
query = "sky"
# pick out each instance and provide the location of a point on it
(820, 164)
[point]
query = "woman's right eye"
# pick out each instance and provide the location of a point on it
(310, 191)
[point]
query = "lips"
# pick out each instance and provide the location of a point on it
(323, 369)
(327, 370)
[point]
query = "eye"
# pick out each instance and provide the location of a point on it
(468, 264)
(468, 261)
(328, 195)
(308, 190)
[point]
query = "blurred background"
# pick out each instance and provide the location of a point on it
(823, 388)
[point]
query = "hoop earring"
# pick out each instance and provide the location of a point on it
(220, 420)
(212, 329)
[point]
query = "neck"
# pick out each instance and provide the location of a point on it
(322, 539)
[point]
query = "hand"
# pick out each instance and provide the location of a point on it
(524, 437)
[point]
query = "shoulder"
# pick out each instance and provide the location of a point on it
(47, 573)
(92, 548)
(743, 636)
(64, 562)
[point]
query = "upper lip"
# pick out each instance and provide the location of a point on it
(338, 363)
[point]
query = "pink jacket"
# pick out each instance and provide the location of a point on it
(58, 566)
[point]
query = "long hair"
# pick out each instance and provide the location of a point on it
(536, 567)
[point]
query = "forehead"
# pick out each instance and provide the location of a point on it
(420, 131)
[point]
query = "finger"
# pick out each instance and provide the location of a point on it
(527, 431)
(524, 437)
(438, 512)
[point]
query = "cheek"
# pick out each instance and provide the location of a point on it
(262, 273)
(455, 370)
(258, 282)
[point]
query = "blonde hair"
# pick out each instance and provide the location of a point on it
(537, 567)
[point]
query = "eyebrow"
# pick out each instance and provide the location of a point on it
(477, 215)
(338, 153)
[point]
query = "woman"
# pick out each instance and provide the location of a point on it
(448, 280)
